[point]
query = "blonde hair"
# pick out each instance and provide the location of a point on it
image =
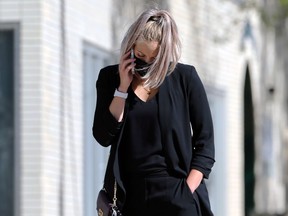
(155, 25)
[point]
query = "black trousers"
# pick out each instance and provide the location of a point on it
(159, 196)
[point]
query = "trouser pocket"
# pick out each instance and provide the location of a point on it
(171, 196)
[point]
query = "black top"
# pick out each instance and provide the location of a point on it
(141, 150)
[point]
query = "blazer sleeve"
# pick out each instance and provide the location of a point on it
(105, 126)
(202, 126)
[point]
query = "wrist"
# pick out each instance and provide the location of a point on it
(123, 88)
(120, 94)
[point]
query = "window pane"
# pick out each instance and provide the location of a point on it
(6, 123)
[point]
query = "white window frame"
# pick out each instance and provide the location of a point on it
(95, 156)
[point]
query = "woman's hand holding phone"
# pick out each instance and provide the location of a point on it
(126, 67)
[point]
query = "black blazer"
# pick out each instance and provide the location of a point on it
(182, 102)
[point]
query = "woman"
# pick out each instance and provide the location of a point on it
(145, 108)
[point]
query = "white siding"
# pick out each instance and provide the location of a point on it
(41, 96)
(28, 15)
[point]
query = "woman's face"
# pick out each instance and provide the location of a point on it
(146, 50)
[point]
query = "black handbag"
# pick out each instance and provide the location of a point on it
(106, 206)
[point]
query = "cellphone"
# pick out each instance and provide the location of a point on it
(132, 56)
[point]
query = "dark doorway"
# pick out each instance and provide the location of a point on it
(249, 146)
(6, 122)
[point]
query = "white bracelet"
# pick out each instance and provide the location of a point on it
(120, 94)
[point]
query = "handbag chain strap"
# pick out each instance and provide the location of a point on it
(114, 195)
(121, 132)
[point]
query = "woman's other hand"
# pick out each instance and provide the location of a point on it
(194, 179)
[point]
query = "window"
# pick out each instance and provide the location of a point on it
(7, 122)
(217, 184)
(95, 156)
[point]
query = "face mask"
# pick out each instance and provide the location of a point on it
(141, 67)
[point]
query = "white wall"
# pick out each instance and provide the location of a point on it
(28, 15)
(51, 98)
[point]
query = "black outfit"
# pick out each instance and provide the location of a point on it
(181, 101)
(141, 140)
